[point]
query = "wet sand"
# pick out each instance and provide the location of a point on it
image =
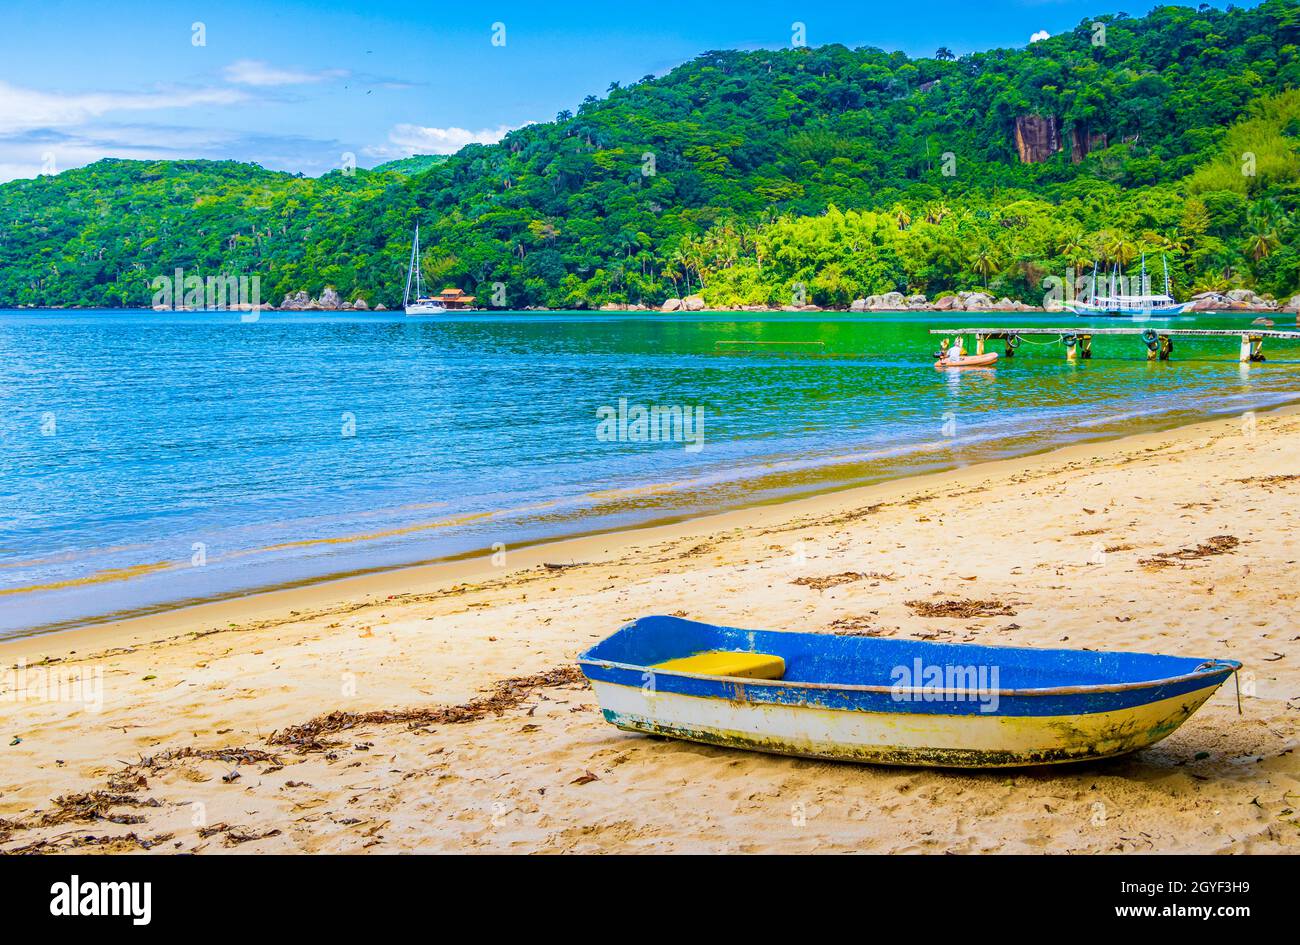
(442, 710)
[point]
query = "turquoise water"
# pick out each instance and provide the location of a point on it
(154, 459)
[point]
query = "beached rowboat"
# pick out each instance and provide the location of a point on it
(891, 701)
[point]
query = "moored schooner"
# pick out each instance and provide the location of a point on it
(1117, 305)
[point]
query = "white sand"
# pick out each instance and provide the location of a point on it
(1058, 536)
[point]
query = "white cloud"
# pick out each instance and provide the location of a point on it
(28, 109)
(1041, 34)
(260, 73)
(30, 159)
(405, 140)
(32, 153)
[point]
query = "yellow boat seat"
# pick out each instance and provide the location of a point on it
(727, 663)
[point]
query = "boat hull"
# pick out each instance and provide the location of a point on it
(969, 361)
(1095, 311)
(419, 308)
(893, 738)
(896, 701)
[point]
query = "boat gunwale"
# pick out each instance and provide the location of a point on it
(1230, 665)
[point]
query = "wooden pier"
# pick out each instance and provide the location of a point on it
(1159, 341)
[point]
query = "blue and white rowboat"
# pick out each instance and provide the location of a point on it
(891, 701)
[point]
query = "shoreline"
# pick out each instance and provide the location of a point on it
(257, 601)
(1278, 307)
(448, 715)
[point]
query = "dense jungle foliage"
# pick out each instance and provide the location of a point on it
(744, 175)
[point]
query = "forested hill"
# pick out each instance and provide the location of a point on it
(851, 172)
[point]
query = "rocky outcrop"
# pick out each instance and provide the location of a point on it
(1252, 299)
(1235, 300)
(1083, 142)
(960, 302)
(888, 302)
(1038, 137)
(329, 301)
(1293, 305)
(626, 307)
(693, 303)
(295, 302)
(672, 305)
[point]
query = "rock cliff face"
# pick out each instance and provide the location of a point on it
(1037, 138)
(1084, 141)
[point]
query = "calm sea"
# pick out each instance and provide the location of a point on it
(156, 459)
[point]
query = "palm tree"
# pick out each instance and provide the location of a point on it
(1261, 240)
(902, 216)
(985, 260)
(1266, 211)
(936, 211)
(1077, 253)
(1119, 249)
(670, 272)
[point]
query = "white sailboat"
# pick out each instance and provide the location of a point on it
(421, 304)
(1115, 304)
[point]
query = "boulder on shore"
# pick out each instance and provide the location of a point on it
(671, 305)
(295, 302)
(975, 301)
(693, 303)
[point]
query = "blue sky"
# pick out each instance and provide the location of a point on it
(295, 85)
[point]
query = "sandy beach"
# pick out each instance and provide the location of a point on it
(439, 708)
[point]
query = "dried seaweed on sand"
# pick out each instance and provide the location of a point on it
(504, 695)
(1218, 545)
(961, 608)
(830, 580)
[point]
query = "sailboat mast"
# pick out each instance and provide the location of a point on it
(1165, 260)
(410, 266)
(419, 289)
